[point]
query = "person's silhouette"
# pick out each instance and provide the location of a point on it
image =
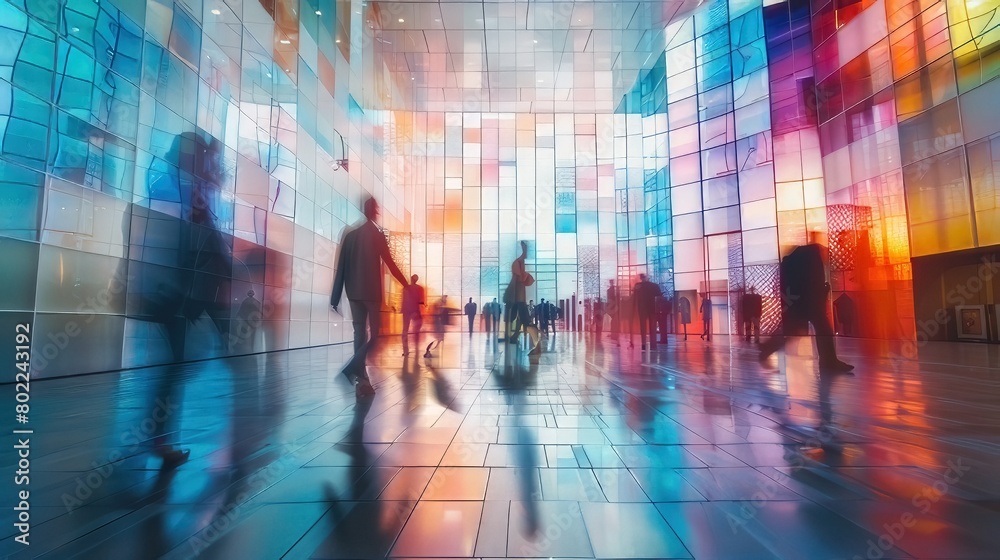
(359, 272)
(644, 300)
(706, 316)
(470, 312)
(752, 309)
(189, 273)
(515, 297)
(804, 293)
(413, 299)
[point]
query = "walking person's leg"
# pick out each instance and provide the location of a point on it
(642, 331)
(825, 346)
(406, 333)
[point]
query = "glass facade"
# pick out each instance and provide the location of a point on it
(750, 125)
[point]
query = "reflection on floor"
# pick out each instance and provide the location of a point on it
(596, 451)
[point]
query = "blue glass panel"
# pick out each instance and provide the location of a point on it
(24, 122)
(21, 193)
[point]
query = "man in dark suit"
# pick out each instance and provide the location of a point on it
(753, 306)
(470, 312)
(804, 301)
(359, 270)
(644, 299)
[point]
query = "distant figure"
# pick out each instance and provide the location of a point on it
(413, 300)
(752, 309)
(612, 308)
(588, 314)
(598, 316)
(441, 315)
(470, 312)
(554, 315)
(663, 310)
(515, 298)
(644, 296)
(488, 316)
(706, 316)
(804, 293)
(495, 309)
(359, 270)
(844, 311)
(182, 226)
(684, 310)
(533, 312)
(542, 316)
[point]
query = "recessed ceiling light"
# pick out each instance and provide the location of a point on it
(268, 74)
(337, 41)
(536, 41)
(319, 13)
(217, 12)
(285, 42)
(437, 20)
(401, 20)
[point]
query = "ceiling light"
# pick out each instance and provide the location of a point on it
(337, 41)
(217, 12)
(541, 81)
(401, 20)
(437, 20)
(536, 41)
(285, 42)
(268, 74)
(319, 13)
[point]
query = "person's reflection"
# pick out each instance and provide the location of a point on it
(516, 377)
(182, 266)
(361, 478)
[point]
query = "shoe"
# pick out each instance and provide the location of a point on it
(173, 458)
(351, 376)
(835, 367)
(764, 360)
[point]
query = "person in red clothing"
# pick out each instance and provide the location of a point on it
(413, 300)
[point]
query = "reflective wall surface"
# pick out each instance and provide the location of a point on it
(96, 96)
(751, 124)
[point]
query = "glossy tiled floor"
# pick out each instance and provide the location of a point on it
(597, 451)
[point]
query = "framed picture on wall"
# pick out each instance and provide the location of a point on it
(971, 322)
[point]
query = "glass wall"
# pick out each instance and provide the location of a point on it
(98, 97)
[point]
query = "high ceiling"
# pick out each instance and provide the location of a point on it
(517, 56)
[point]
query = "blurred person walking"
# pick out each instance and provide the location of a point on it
(359, 272)
(804, 292)
(413, 300)
(470, 312)
(644, 298)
